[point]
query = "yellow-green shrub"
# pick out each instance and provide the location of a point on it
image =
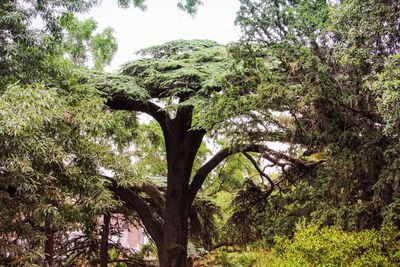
(330, 246)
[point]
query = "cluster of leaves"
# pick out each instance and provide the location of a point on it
(188, 70)
(323, 77)
(315, 246)
(23, 48)
(80, 40)
(57, 138)
(54, 146)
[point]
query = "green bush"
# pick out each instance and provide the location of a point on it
(330, 246)
(245, 259)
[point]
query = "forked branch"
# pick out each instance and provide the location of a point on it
(273, 156)
(261, 172)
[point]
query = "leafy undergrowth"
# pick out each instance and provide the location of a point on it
(316, 246)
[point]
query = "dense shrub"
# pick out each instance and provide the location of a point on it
(319, 246)
(330, 246)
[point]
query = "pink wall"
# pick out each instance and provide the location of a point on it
(131, 236)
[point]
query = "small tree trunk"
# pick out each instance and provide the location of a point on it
(104, 240)
(49, 243)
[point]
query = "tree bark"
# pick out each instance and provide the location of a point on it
(174, 248)
(104, 240)
(173, 252)
(49, 243)
(181, 146)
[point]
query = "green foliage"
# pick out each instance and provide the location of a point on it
(321, 75)
(314, 246)
(136, 3)
(80, 40)
(24, 51)
(55, 137)
(115, 83)
(180, 69)
(150, 152)
(386, 83)
(176, 47)
(229, 176)
(203, 229)
(190, 6)
(225, 259)
(54, 145)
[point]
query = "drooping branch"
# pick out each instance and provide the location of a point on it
(132, 199)
(209, 166)
(261, 172)
(120, 102)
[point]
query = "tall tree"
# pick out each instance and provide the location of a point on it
(175, 84)
(24, 48)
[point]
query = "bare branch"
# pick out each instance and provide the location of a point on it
(203, 171)
(261, 172)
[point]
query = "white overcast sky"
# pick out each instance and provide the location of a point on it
(162, 22)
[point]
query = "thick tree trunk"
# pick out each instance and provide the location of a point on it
(104, 240)
(174, 249)
(181, 153)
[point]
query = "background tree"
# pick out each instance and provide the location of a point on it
(44, 190)
(51, 182)
(23, 48)
(81, 44)
(325, 67)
